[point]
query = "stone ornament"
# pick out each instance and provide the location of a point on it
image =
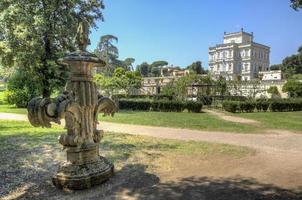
(79, 105)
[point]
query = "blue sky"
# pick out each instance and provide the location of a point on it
(180, 31)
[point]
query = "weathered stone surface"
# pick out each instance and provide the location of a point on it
(83, 176)
(79, 105)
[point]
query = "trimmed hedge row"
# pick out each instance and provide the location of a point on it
(277, 105)
(160, 105)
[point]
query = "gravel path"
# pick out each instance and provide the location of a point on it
(232, 118)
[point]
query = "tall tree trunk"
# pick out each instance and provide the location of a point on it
(46, 91)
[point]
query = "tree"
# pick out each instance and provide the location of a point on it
(6, 73)
(108, 52)
(155, 67)
(169, 89)
(120, 80)
(197, 68)
(155, 71)
(296, 4)
(182, 84)
(143, 69)
(35, 33)
(273, 90)
(221, 86)
(293, 87)
(159, 63)
(128, 64)
(276, 67)
(292, 64)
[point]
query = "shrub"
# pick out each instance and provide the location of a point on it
(127, 104)
(167, 106)
(275, 105)
(194, 106)
(262, 105)
(205, 100)
(159, 105)
(246, 106)
(18, 97)
(230, 106)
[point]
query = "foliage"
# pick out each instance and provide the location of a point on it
(182, 84)
(6, 72)
(262, 105)
(120, 80)
(108, 52)
(221, 86)
(276, 67)
(293, 87)
(159, 105)
(275, 105)
(35, 33)
(286, 105)
(169, 89)
(194, 106)
(230, 106)
(296, 4)
(246, 106)
(151, 70)
(20, 89)
(273, 90)
(292, 64)
(143, 69)
(197, 68)
(167, 106)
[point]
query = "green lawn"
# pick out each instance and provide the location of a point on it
(2, 97)
(17, 134)
(277, 120)
(199, 121)
(5, 108)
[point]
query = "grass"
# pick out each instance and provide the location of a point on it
(5, 108)
(16, 134)
(198, 121)
(30, 153)
(277, 120)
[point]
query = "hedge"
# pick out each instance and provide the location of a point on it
(194, 106)
(274, 105)
(159, 105)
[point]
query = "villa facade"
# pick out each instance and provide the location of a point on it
(239, 57)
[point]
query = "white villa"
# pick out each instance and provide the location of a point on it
(239, 57)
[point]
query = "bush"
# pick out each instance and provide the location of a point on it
(168, 106)
(284, 105)
(194, 106)
(230, 106)
(127, 104)
(275, 105)
(262, 105)
(159, 105)
(246, 106)
(18, 97)
(205, 100)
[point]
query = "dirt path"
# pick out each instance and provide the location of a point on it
(232, 118)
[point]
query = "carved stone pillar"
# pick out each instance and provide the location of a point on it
(79, 105)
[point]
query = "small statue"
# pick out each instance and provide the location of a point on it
(82, 37)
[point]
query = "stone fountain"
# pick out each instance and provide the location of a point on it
(79, 105)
